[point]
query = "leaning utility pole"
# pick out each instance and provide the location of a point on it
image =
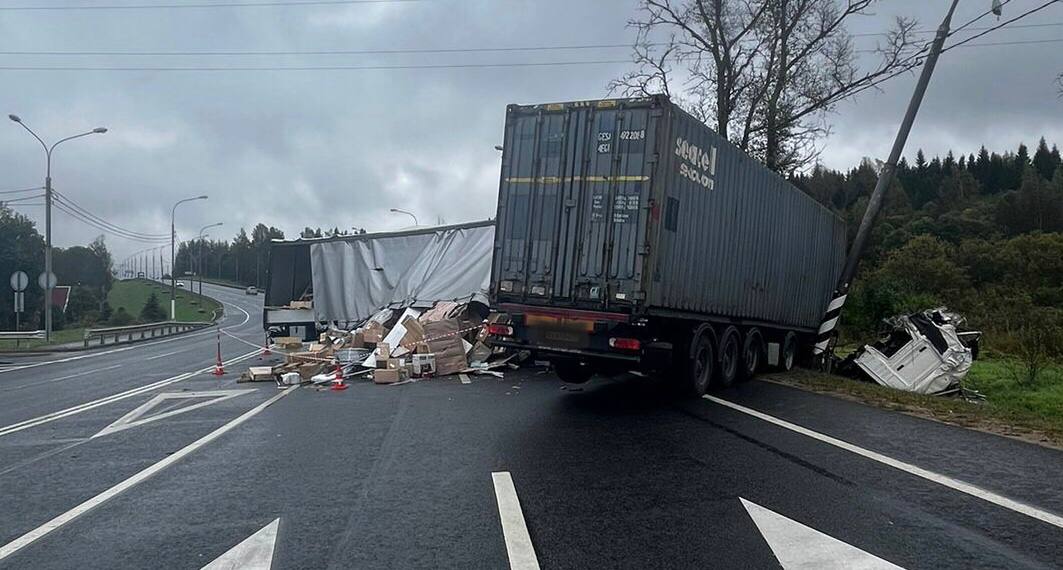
(874, 204)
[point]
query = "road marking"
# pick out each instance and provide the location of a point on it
(247, 317)
(65, 518)
(518, 543)
(164, 355)
(955, 484)
(34, 422)
(61, 378)
(135, 417)
(799, 547)
(253, 553)
(464, 378)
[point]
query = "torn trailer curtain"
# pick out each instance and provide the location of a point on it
(354, 277)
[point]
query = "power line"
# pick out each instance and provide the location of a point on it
(979, 17)
(1001, 25)
(24, 198)
(104, 224)
(21, 190)
(201, 5)
(318, 68)
(322, 52)
(73, 213)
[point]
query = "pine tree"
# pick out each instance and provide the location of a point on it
(152, 311)
(950, 163)
(1042, 160)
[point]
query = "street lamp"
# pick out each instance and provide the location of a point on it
(199, 261)
(410, 214)
(48, 216)
(173, 267)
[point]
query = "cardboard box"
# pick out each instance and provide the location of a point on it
(422, 348)
(414, 334)
(303, 357)
(373, 332)
(300, 304)
(310, 369)
(288, 342)
(447, 345)
(260, 373)
(422, 365)
(389, 375)
(357, 339)
(383, 351)
(317, 347)
(479, 353)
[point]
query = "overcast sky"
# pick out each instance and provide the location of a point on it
(340, 147)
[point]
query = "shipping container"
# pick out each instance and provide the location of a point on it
(632, 211)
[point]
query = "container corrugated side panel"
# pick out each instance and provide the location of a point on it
(745, 243)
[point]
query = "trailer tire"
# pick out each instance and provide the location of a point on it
(573, 371)
(699, 370)
(752, 354)
(730, 357)
(788, 352)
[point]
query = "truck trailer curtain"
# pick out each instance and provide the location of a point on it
(355, 278)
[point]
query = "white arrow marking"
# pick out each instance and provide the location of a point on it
(798, 547)
(254, 553)
(134, 418)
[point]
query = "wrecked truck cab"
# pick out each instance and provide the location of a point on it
(922, 353)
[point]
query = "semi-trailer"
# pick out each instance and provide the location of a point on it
(631, 236)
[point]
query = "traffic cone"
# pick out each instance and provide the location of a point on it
(338, 383)
(265, 347)
(219, 369)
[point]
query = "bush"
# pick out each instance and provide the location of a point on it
(1037, 343)
(121, 318)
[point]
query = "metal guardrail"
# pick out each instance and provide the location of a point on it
(150, 330)
(21, 335)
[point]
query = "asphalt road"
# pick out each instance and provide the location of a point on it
(618, 474)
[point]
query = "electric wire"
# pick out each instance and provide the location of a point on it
(21, 190)
(201, 5)
(1003, 24)
(89, 221)
(71, 203)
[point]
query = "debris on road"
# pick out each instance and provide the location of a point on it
(922, 352)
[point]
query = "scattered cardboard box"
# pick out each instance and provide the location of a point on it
(260, 373)
(422, 364)
(389, 375)
(300, 304)
(443, 340)
(288, 342)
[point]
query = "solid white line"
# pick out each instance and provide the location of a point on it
(34, 422)
(518, 543)
(61, 520)
(955, 484)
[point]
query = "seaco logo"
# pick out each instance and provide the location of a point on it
(698, 165)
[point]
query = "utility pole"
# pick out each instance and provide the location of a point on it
(874, 204)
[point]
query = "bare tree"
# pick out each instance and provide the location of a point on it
(765, 72)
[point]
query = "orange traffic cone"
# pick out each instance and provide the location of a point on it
(219, 369)
(338, 383)
(265, 347)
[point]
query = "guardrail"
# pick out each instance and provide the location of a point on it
(21, 335)
(150, 330)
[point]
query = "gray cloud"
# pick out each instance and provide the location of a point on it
(338, 148)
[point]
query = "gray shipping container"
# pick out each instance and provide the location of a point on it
(633, 206)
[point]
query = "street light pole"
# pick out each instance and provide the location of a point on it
(173, 266)
(48, 285)
(874, 203)
(199, 258)
(410, 214)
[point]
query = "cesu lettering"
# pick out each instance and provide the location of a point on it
(699, 166)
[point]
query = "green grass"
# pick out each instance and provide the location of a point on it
(1032, 412)
(133, 293)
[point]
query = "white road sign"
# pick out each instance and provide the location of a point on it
(52, 281)
(19, 281)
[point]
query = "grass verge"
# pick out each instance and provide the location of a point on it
(1030, 412)
(132, 294)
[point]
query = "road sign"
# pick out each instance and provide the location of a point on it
(20, 301)
(19, 281)
(52, 281)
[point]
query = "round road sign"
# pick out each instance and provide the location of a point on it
(19, 281)
(52, 281)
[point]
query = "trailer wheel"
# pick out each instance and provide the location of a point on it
(702, 362)
(789, 352)
(752, 354)
(730, 357)
(573, 371)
